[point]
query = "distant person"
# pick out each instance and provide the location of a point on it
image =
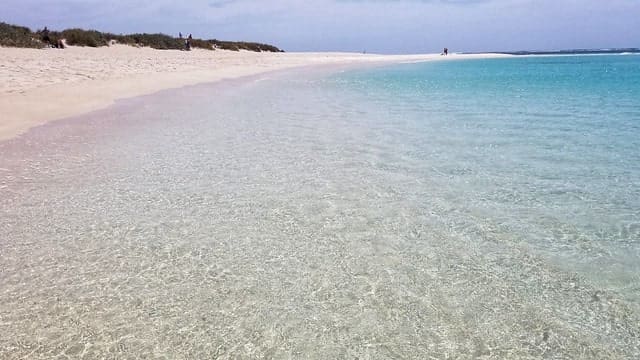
(45, 36)
(180, 35)
(187, 43)
(446, 51)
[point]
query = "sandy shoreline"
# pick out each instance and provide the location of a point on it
(298, 217)
(38, 86)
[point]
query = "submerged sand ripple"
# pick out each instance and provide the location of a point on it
(247, 232)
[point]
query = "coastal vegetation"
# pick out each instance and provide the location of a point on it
(18, 36)
(21, 36)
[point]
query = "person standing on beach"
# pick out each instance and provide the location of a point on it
(187, 43)
(45, 36)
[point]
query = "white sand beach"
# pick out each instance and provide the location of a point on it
(37, 86)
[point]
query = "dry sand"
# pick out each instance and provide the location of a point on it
(37, 86)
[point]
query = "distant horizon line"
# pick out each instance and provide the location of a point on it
(577, 51)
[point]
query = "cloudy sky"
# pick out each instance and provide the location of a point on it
(383, 26)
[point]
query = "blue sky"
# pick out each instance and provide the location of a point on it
(383, 26)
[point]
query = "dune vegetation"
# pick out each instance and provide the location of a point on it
(21, 36)
(18, 36)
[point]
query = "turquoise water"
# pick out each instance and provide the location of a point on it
(546, 147)
(472, 209)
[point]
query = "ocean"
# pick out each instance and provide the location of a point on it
(485, 208)
(547, 148)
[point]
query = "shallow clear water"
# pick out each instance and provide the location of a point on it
(467, 209)
(546, 146)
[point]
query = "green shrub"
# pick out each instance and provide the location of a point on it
(157, 41)
(201, 44)
(18, 36)
(241, 45)
(80, 37)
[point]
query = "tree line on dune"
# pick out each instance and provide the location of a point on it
(21, 36)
